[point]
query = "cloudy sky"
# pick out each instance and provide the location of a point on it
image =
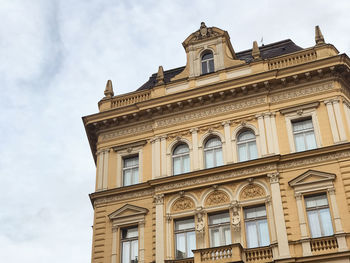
(55, 59)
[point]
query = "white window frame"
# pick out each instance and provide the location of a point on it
(299, 113)
(207, 62)
(213, 149)
(181, 156)
(184, 231)
(130, 241)
(246, 142)
(126, 151)
(256, 220)
(132, 169)
(221, 228)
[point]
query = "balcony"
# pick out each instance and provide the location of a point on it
(233, 253)
(324, 245)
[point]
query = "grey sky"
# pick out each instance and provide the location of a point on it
(55, 59)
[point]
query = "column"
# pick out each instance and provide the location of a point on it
(339, 232)
(228, 144)
(235, 210)
(157, 156)
(159, 202)
(153, 158)
(114, 245)
(262, 134)
(141, 227)
(105, 169)
(169, 244)
(99, 179)
(270, 141)
(332, 121)
(305, 242)
(347, 112)
(272, 226)
(339, 120)
(163, 155)
(282, 239)
(200, 228)
(194, 133)
(274, 132)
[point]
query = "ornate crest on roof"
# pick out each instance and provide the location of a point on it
(203, 33)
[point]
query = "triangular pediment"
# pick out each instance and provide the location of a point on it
(128, 211)
(311, 177)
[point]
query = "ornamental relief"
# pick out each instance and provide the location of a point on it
(217, 197)
(183, 203)
(251, 191)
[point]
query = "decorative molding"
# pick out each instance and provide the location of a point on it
(305, 91)
(252, 191)
(200, 226)
(129, 146)
(274, 177)
(236, 218)
(158, 199)
(124, 196)
(217, 197)
(183, 203)
(137, 129)
(208, 112)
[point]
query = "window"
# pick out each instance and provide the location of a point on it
(185, 238)
(219, 229)
(257, 231)
(246, 145)
(130, 170)
(129, 245)
(181, 159)
(207, 62)
(213, 152)
(319, 217)
(304, 136)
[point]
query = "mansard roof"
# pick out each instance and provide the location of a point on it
(267, 51)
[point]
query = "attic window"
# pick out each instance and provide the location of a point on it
(207, 62)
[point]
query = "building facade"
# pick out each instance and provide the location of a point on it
(236, 157)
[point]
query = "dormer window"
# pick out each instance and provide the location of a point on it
(207, 62)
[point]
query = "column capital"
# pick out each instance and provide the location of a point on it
(298, 196)
(226, 123)
(331, 191)
(259, 116)
(274, 177)
(158, 199)
(194, 130)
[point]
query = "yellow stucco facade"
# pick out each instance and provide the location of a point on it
(265, 148)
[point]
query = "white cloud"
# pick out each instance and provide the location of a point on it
(56, 57)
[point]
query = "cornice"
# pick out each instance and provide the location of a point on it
(223, 174)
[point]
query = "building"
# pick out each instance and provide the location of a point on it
(236, 157)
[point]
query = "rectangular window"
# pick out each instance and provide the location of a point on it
(129, 245)
(219, 229)
(130, 170)
(319, 217)
(185, 238)
(257, 231)
(304, 136)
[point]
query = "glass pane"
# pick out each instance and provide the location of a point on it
(247, 135)
(253, 151)
(207, 56)
(127, 177)
(242, 152)
(191, 243)
(218, 157)
(214, 237)
(314, 223)
(211, 65)
(134, 249)
(186, 163)
(135, 176)
(321, 200)
(213, 142)
(252, 235)
(298, 126)
(227, 235)
(182, 148)
(184, 224)
(263, 233)
(326, 222)
(299, 142)
(180, 246)
(249, 213)
(310, 140)
(126, 252)
(177, 165)
(260, 211)
(204, 67)
(219, 218)
(307, 124)
(131, 161)
(209, 159)
(310, 201)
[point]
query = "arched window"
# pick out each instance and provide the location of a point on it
(181, 159)
(246, 145)
(213, 152)
(207, 62)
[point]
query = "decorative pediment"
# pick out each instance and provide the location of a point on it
(252, 191)
(217, 197)
(128, 211)
(183, 203)
(311, 177)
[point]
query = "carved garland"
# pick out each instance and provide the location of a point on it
(252, 191)
(183, 203)
(217, 197)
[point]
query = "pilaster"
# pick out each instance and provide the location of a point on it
(159, 203)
